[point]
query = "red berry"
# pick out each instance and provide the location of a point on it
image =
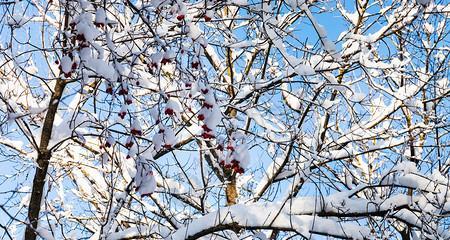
(129, 144)
(205, 91)
(206, 128)
(169, 111)
(207, 135)
(195, 65)
(136, 132)
(81, 38)
(207, 18)
(180, 17)
(109, 90)
(201, 117)
(167, 146)
(207, 105)
(123, 91)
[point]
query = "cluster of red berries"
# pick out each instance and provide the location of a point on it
(123, 112)
(123, 90)
(109, 87)
(67, 72)
(136, 131)
(128, 100)
(166, 145)
(169, 111)
(153, 66)
(180, 17)
(82, 42)
(129, 143)
(195, 64)
(233, 165)
(207, 132)
(109, 142)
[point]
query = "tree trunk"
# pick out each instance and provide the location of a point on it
(231, 191)
(42, 160)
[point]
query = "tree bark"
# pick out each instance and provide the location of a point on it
(42, 160)
(231, 191)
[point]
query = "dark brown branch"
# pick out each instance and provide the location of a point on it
(42, 161)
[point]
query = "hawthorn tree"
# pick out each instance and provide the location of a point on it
(238, 119)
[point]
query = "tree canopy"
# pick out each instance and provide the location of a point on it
(237, 119)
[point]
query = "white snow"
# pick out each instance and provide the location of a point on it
(66, 64)
(17, 20)
(256, 115)
(144, 180)
(100, 16)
